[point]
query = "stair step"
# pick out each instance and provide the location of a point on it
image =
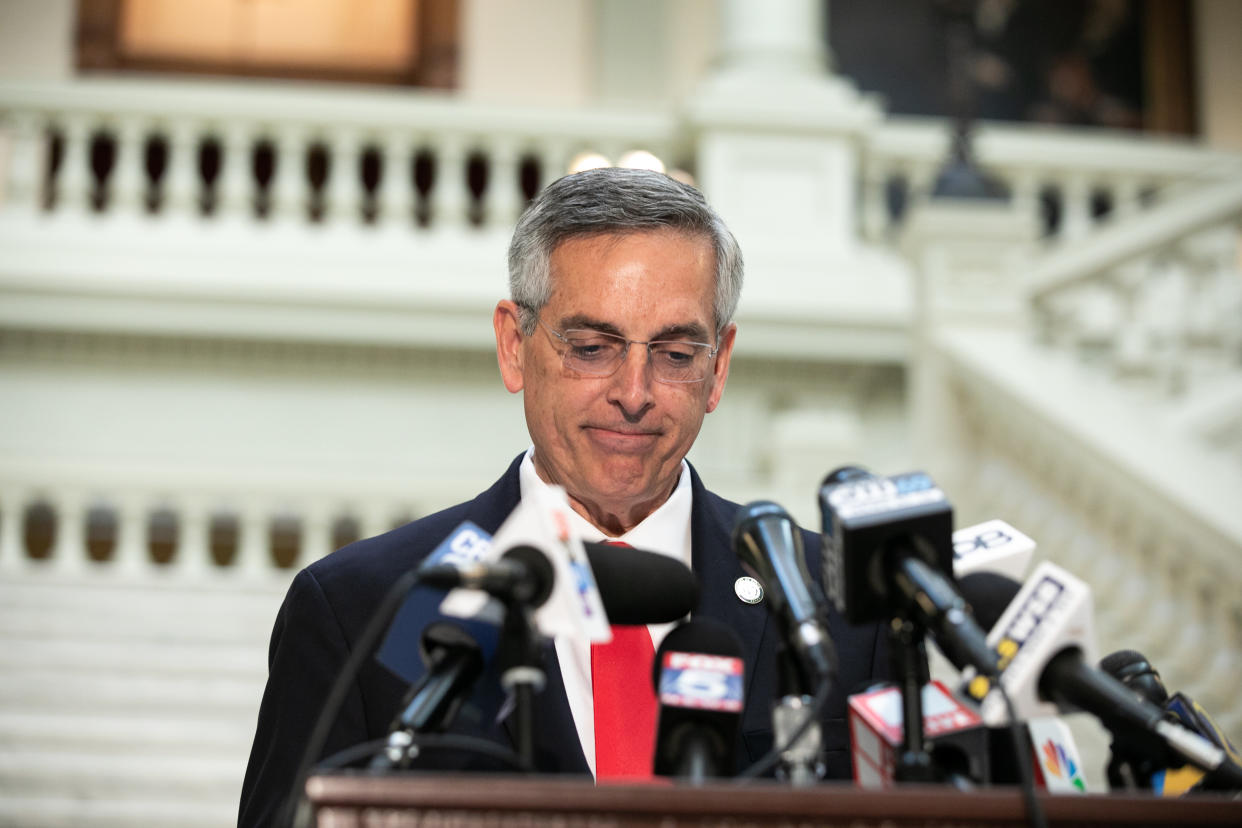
(87, 776)
(61, 812)
(128, 733)
(60, 690)
(31, 652)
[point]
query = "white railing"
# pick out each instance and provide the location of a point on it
(75, 522)
(296, 154)
(1076, 429)
(1075, 178)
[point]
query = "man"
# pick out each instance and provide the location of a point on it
(618, 333)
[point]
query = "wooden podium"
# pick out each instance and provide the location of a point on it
(444, 801)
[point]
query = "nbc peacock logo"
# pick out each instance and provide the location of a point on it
(1058, 762)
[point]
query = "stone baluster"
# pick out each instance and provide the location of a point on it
(127, 183)
(12, 516)
(254, 559)
(75, 177)
(1075, 207)
(1216, 686)
(1024, 187)
(180, 183)
(874, 197)
(343, 191)
(374, 519)
(450, 194)
(1125, 198)
(1191, 650)
(290, 187)
(130, 555)
(193, 553)
(503, 199)
(554, 156)
(397, 195)
(235, 184)
(27, 167)
(69, 545)
(316, 535)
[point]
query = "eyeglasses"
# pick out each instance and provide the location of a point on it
(599, 354)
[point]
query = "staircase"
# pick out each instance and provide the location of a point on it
(128, 702)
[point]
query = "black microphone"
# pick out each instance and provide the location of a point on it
(640, 587)
(523, 575)
(1043, 632)
(769, 545)
(888, 552)
(699, 676)
(1135, 671)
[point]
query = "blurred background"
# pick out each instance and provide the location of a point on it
(249, 251)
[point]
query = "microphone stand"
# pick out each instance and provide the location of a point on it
(801, 762)
(521, 673)
(908, 652)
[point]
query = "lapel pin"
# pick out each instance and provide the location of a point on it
(748, 589)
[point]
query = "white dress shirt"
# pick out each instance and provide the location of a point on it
(667, 531)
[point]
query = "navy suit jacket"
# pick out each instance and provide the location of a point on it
(330, 602)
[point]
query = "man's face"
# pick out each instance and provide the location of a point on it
(616, 443)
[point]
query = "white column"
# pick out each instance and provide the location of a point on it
(69, 544)
(12, 516)
(343, 190)
(395, 199)
(180, 183)
(74, 178)
(193, 551)
(27, 167)
(785, 36)
(1075, 207)
(290, 185)
(449, 190)
(253, 559)
(235, 184)
(129, 556)
(316, 535)
(503, 197)
(127, 183)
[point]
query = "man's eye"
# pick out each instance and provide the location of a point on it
(591, 348)
(676, 354)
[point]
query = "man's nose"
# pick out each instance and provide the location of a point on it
(631, 386)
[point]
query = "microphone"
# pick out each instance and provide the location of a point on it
(523, 575)
(769, 546)
(888, 553)
(956, 734)
(698, 675)
(640, 587)
(991, 546)
(1135, 671)
(1045, 639)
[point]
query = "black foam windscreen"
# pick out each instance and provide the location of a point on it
(641, 587)
(989, 594)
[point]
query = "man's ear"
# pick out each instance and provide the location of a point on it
(720, 372)
(506, 322)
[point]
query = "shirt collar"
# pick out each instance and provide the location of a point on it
(666, 530)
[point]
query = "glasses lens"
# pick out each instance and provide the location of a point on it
(590, 352)
(597, 354)
(679, 361)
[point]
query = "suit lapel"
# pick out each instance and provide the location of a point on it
(717, 568)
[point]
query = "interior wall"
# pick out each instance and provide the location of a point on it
(36, 39)
(536, 51)
(1218, 36)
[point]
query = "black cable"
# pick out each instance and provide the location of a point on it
(428, 741)
(341, 686)
(1026, 775)
(768, 761)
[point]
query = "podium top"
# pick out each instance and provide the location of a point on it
(401, 799)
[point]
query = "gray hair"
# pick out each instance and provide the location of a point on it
(614, 200)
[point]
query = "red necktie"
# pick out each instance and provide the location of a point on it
(625, 704)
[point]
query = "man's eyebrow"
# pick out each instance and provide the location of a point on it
(689, 330)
